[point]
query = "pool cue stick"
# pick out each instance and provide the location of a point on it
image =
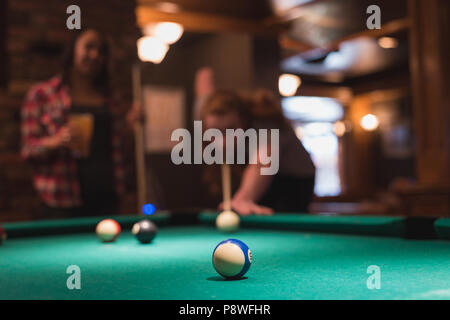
(226, 186)
(139, 141)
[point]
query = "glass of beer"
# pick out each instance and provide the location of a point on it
(82, 127)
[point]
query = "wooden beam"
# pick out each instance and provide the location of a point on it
(429, 52)
(290, 44)
(358, 160)
(430, 81)
(201, 22)
(386, 29)
(389, 28)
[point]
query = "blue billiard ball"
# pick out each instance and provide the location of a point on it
(232, 258)
(148, 209)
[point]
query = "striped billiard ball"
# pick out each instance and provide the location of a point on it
(232, 258)
(108, 230)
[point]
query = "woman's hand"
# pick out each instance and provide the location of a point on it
(135, 115)
(246, 207)
(61, 139)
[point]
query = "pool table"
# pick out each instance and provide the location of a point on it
(295, 256)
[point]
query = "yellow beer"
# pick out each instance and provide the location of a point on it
(82, 127)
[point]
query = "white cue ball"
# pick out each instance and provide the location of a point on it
(228, 221)
(108, 230)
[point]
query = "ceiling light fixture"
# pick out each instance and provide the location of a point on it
(369, 122)
(288, 84)
(151, 49)
(388, 42)
(168, 32)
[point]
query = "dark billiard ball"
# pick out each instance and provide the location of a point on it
(145, 231)
(2, 234)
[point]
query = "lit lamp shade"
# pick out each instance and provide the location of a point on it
(288, 84)
(168, 32)
(151, 49)
(369, 122)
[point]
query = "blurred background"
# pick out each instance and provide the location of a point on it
(370, 106)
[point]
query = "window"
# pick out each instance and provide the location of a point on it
(313, 119)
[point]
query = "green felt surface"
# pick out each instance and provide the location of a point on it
(58, 226)
(367, 225)
(287, 265)
(442, 227)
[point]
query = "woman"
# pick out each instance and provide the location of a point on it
(291, 188)
(70, 183)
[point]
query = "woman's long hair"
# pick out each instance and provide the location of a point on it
(222, 102)
(259, 107)
(251, 107)
(102, 80)
(266, 106)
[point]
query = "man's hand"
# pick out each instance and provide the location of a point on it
(247, 207)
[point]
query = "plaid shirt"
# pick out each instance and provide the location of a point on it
(55, 177)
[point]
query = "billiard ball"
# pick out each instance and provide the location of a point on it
(108, 230)
(228, 221)
(232, 258)
(145, 231)
(2, 234)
